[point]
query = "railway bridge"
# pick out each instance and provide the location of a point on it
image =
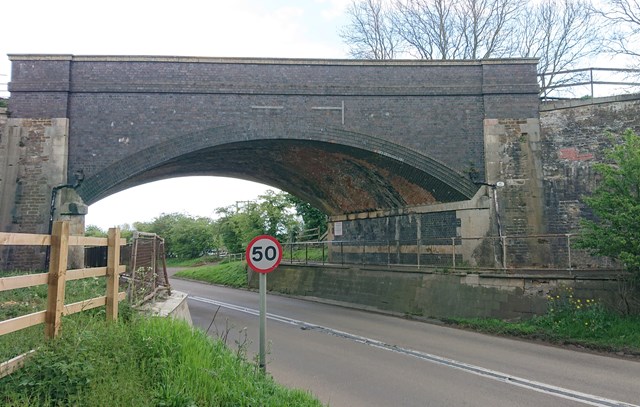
(389, 149)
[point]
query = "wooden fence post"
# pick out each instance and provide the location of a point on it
(113, 262)
(57, 278)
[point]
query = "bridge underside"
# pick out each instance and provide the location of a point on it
(335, 178)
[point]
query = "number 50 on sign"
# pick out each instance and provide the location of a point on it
(264, 254)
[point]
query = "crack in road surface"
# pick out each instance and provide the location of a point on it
(568, 394)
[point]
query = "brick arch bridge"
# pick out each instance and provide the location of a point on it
(388, 141)
(335, 170)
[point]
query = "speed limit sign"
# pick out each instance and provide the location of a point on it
(264, 254)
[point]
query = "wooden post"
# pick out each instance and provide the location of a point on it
(113, 261)
(57, 277)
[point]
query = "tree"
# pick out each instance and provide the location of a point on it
(615, 232)
(184, 236)
(311, 217)
(561, 33)
(447, 29)
(624, 15)
(371, 33)
(271, 214)
(94, 231)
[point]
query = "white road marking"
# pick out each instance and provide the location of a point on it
(561, 392)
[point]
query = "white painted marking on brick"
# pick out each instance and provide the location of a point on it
(268, 107)
(340, 108)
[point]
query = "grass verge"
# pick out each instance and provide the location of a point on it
(141, 362)
(232, 274)
(199, 261)
(23, 301)
(569, 320)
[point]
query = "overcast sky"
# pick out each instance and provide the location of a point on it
(232, 28)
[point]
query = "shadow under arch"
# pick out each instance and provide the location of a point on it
(335, 170)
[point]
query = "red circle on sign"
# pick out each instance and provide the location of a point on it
(263, 254)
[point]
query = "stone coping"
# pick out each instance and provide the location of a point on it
(266, 61)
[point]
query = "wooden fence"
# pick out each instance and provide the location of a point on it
(56, 279)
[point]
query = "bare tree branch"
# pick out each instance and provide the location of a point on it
(560, 33)
(370, 34)
(623, 17)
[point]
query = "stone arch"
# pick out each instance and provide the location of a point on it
(336, 170)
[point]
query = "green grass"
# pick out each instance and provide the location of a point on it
(232, 274)
(141, 362)
(300, 254)
(23, 301)
(173, 262)
(569, 320)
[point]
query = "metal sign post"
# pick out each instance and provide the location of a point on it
(263, 255)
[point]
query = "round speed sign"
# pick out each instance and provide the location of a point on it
(264, 254)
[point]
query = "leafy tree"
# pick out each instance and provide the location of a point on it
(126, 232)
(311, 216)
(615, 232)
(94, 231)
(185, 236)
(270, 214)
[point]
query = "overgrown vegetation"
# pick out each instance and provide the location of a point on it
(615, 232)
(137, 361)
(570, 320)
(23, 301)
(141, 362)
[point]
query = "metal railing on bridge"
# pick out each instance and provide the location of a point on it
(506, 254)
(582, 83)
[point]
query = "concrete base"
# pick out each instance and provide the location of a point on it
(174, 306)
(427, 294)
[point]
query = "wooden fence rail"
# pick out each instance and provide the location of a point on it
(56, 279)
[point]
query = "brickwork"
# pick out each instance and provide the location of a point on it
(33, 161)
(348, 136)
(575, 136)
(152, 111)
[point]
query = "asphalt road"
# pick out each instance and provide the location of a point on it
(348, 357)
